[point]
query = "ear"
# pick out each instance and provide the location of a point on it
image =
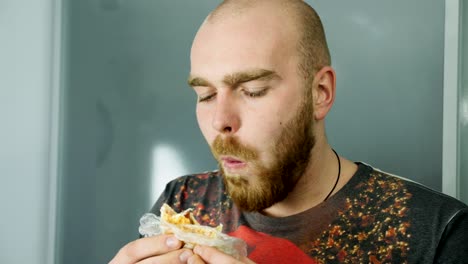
(324, 88)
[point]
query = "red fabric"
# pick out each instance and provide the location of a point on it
(263, 248)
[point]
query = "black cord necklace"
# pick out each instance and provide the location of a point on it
(337, 178)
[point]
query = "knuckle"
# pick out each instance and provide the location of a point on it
(130, 251)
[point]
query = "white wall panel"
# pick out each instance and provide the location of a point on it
(26, 41)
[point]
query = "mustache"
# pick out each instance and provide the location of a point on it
(231, 146)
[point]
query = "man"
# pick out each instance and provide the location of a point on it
(261, 71)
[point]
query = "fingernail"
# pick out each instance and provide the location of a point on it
(185, 255)
(171, 242)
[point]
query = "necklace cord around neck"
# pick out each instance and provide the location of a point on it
(337, 178)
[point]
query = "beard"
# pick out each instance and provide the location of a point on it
(264, 186)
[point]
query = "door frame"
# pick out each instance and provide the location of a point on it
(452, 77)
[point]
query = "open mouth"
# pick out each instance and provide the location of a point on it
(232, 163)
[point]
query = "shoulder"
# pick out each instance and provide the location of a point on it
(427, 209)
(435, 224)
(422, 196)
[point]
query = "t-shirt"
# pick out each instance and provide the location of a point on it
(375, 218)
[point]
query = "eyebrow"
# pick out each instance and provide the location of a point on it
(237, 78)
(197, 81)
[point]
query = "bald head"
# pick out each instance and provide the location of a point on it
(310, 38)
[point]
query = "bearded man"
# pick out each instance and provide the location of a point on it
(263, 77)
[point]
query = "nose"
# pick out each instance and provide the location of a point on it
(226, 118)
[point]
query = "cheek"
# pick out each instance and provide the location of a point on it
(263, 131)
(272, 123)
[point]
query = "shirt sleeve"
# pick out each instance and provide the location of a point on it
(453, 245)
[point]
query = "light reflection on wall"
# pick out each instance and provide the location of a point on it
(362, 20)
(167, 164)
(464, 111)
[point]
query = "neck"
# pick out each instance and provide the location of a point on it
(316, 183)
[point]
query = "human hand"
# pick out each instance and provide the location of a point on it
(209, 255)
(156, 249)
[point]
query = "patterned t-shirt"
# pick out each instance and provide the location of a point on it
(374, 218)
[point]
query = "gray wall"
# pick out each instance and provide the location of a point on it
(389, 61)
(26, 39)
(130, 122)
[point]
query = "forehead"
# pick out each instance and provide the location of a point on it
(242, 42)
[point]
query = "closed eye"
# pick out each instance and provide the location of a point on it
(206, 98)
(254, 94)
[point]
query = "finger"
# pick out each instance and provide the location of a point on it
(195, 259)
(212, 255)
(174, 257)
(146, 247)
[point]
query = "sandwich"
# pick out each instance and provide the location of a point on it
(185, 227)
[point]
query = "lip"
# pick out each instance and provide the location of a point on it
(232, 163)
